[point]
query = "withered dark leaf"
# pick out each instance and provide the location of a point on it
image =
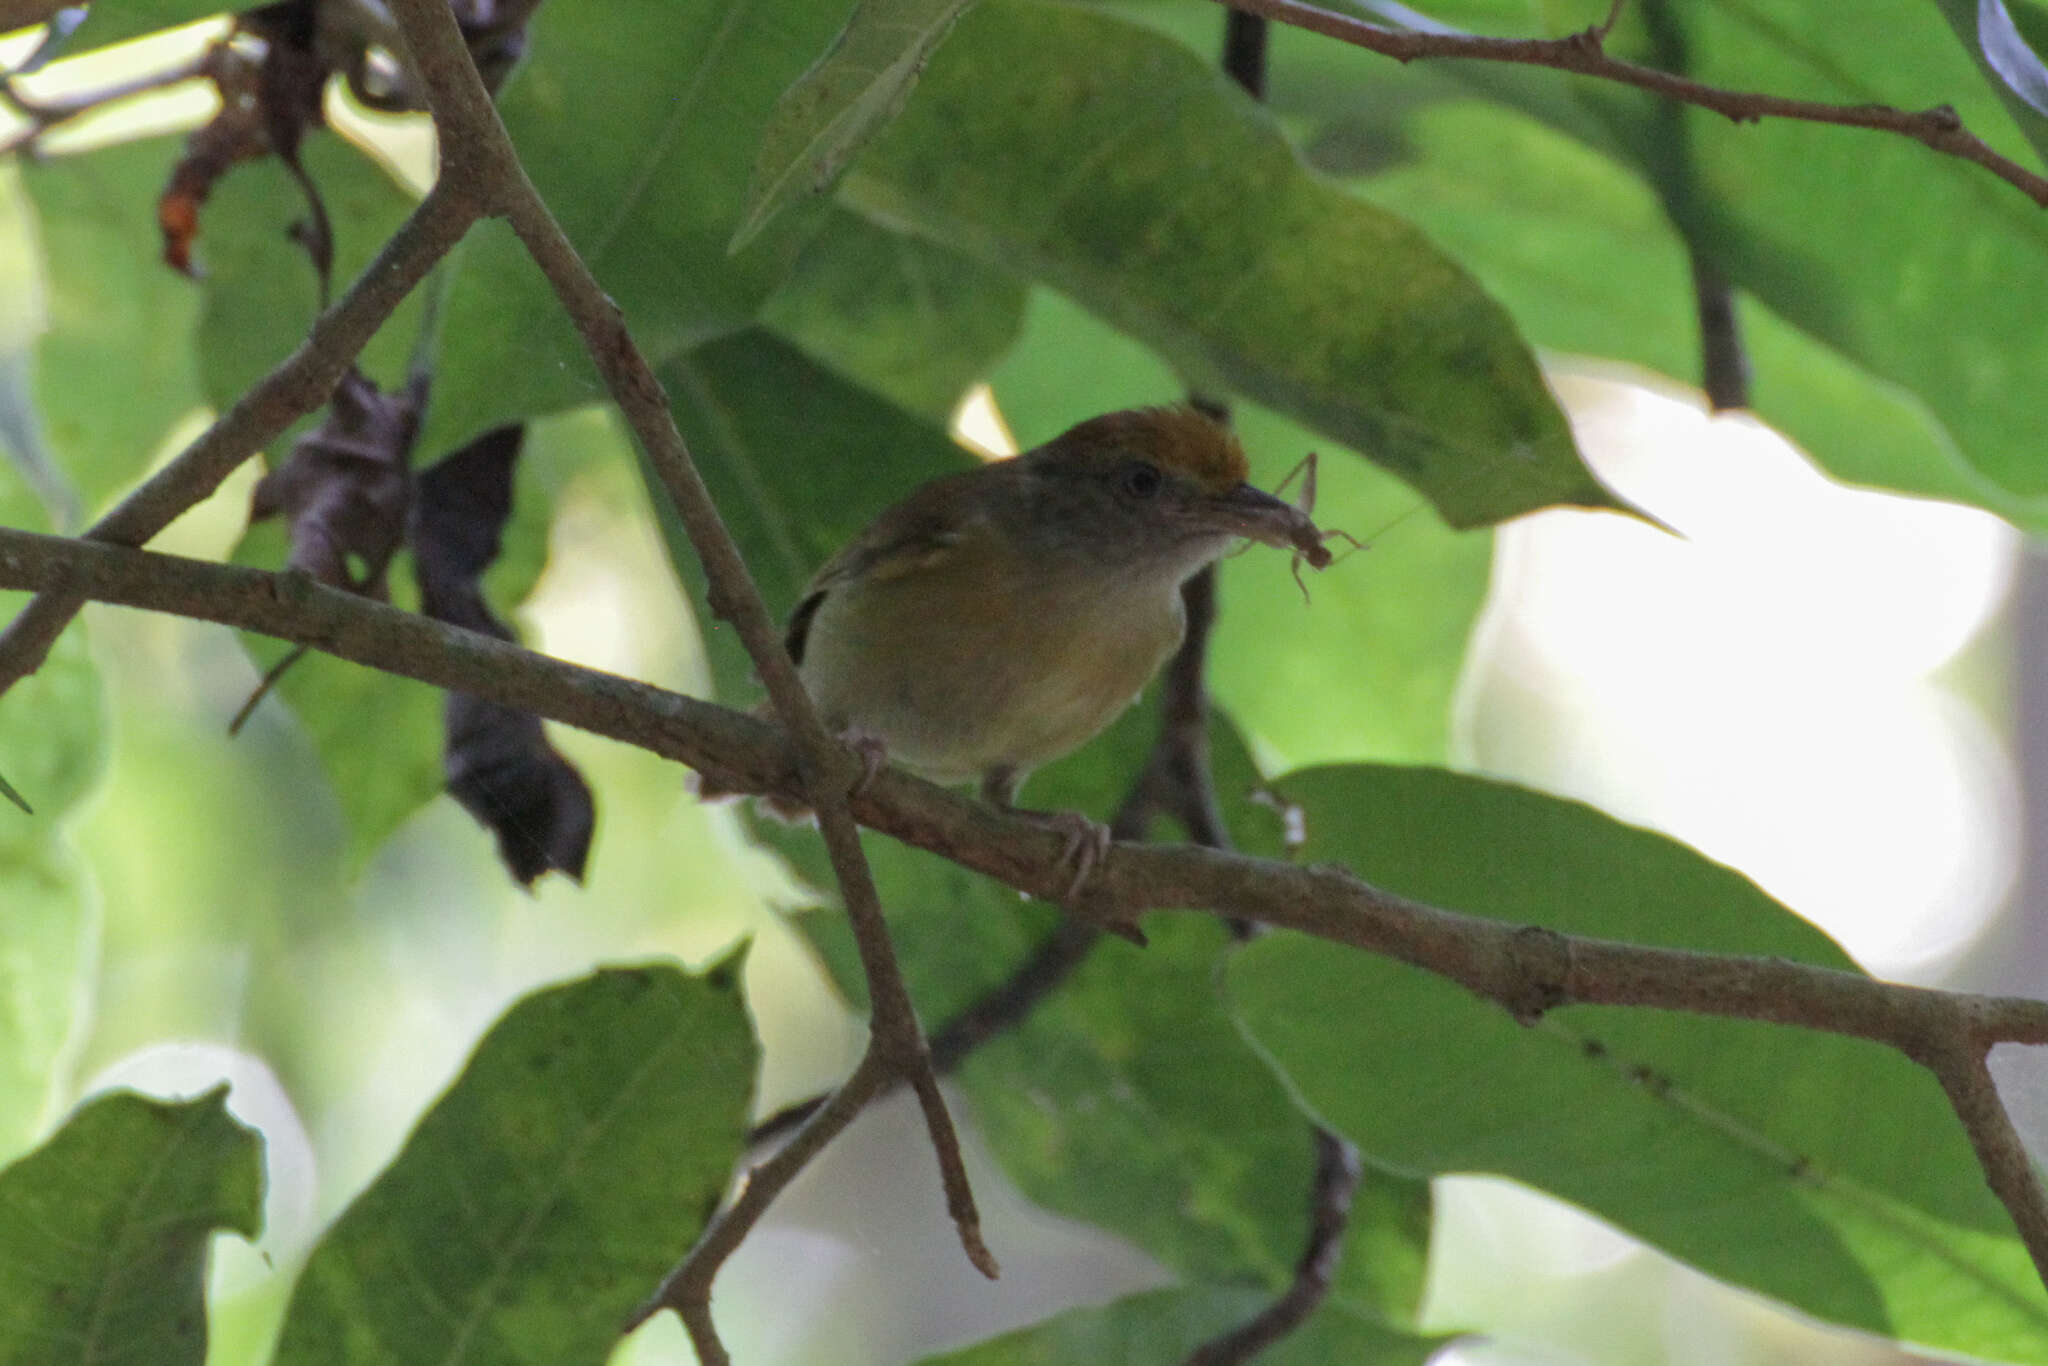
(270, 75)
(502, 769)
(499, 763)
(347, 487)
(346, 490)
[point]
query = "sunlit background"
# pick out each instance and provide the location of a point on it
(1808, 682)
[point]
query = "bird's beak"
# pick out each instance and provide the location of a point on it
(1254, 513)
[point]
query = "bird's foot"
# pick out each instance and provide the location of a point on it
(872, 751)
(1086, 843)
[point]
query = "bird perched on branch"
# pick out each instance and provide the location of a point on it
(998, 618)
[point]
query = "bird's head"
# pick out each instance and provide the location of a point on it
(1164, 486)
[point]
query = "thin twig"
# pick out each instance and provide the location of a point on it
(1244, 55)
(2014, 1179)
(688, 1288)
(1724, 365)
(1939, 128)
(1526, 970)
(1180, 779)
(474, 142)
(300, 383)
(1336, 1181)
(1181, 755)
(989, 1016)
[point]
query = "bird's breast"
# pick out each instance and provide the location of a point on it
(966, 671)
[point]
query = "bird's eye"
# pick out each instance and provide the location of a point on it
(1141, 480)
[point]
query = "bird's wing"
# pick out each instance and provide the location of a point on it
(915, 536)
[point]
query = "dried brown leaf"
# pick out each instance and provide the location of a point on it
(499, 763)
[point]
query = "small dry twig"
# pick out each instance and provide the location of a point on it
(1939, 128)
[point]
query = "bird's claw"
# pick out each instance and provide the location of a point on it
(1087, 841)
(872, 751)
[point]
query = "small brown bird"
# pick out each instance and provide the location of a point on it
(999, 618)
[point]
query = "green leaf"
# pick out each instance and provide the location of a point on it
(797, 459)
(107, 1228)
(897, 314)
(514, 354)
(570, 1165)
(1161, 1327)
(1068, 365)
(1824, 1171)
(1368, 666)
(557, 451)
(116, 366)
(1852, 236)
(378, 735)
(1129, 1101)
(638, 120)
(1857, 271)
(1112, 164)
(843, 100)
(1577, 246)
(53, 743)
(53, 729)
(49, 920)
(260, 286)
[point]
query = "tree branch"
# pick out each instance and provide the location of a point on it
(1938, 128)
(1526, 970)
(474, 142)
